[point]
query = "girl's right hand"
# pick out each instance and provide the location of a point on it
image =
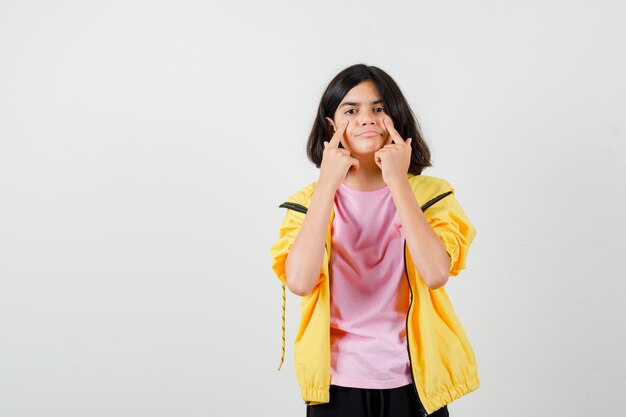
(336, 161)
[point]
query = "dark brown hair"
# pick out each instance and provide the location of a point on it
(396, 107)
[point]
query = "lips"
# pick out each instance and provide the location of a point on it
(369, 133)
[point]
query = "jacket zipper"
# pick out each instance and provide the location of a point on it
(406, 273)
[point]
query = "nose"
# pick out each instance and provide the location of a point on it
(366, 118)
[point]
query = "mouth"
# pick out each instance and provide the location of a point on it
(369, 133)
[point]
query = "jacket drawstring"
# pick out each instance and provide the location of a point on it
(282, 354)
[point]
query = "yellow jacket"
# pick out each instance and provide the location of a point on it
(442, 361)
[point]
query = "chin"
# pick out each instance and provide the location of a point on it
(363, 148)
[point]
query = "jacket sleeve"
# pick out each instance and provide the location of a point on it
(453, 227)
(287, 234)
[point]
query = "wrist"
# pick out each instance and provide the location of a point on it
(326, 187)
(398, 184)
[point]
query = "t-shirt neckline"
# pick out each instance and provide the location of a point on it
(353, 191)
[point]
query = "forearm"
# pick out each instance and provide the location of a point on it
(427, 250)
(304, 261)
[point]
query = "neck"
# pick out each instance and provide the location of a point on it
(367, 178)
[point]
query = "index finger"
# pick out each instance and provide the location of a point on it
(334, 141)
(395, 136)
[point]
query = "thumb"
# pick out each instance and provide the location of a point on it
(355, 164)
(378, 161)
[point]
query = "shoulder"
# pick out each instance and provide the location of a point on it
(303, 195)
(425, 186)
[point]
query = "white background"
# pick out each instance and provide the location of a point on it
(145, 147)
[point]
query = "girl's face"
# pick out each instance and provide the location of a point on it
(364, 110)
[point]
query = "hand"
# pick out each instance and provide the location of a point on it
(336, 161)
(394, 158)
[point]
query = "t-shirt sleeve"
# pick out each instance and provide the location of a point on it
(454, 228)
(286, 236)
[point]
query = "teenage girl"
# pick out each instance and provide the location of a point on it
(370, 246)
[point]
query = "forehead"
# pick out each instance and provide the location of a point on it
(365, 91)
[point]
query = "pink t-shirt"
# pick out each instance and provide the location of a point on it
(369, 292)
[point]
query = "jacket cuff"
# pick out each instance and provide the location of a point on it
(315, 396)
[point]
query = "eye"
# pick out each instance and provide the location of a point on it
(379, 110)
(350, 111)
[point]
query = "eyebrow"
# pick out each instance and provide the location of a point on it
(356, 103)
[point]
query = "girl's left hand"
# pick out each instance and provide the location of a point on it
(393, 159)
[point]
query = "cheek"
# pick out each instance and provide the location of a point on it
(339, 119)
(350, 132)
